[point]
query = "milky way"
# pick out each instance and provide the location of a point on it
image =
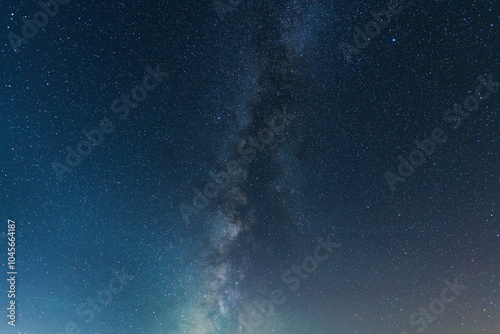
(247, 166)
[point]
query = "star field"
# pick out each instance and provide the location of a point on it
(240, 166)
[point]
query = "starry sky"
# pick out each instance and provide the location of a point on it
(241, 166)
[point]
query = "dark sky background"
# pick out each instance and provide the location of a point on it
(322, 176)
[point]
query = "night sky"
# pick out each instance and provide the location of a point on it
(274, 167)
